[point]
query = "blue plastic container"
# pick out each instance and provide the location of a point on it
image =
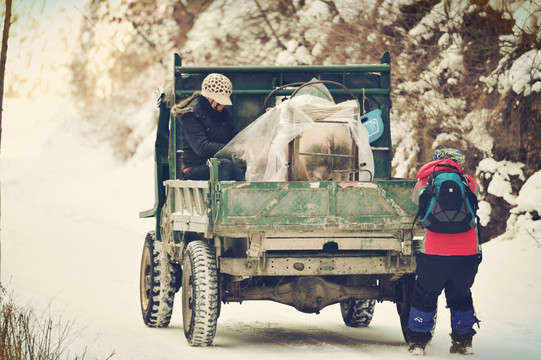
(374, 124)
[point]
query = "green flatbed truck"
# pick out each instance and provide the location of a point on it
(304, 244)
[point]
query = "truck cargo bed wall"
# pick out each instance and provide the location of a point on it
(315, 207)
(295, 207)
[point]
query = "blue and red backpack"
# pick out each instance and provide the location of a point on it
(447, 204)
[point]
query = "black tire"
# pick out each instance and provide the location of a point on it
(199, 293)
(157, 285)
(357, 312)
(404, 292)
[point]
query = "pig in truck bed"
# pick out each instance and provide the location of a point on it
(308, 244)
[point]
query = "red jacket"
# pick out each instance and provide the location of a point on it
(446, 244)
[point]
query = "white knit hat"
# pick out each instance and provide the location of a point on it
(218, 88)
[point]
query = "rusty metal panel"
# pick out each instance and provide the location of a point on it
(312, 266)
(193, 223)
(321, 209)
(342, 243)
(319, 206)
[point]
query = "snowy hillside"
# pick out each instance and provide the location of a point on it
(465, 74)
(73, 178)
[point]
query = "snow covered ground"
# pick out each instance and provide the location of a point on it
(71, 241)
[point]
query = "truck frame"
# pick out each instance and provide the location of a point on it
(304, 244)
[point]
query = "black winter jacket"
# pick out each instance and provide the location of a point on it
(204, 131)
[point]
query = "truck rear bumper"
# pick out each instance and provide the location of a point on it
(317, 266)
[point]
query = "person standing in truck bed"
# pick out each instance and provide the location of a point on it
(206, 128)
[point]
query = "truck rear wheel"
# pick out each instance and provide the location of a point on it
(404, 291)
(199, 293)
(357, 312)
(157, 284)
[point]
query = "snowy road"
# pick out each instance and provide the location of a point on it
(71, 240)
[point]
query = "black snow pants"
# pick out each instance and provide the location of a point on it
(455, 275)
(435, 273)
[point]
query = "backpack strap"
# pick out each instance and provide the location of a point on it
(424, 199)
(419, 212)
(475, 206)
(477, 219)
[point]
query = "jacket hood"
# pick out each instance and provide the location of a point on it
(182, 107)
(430, 167)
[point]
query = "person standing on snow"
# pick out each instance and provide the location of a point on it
(450, 261)
(206, 128)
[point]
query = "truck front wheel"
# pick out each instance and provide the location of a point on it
(199, 293)
(157, 284)
(357, 312)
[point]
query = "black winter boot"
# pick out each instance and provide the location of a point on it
(417, 341)
(462, 343)
(417, 348)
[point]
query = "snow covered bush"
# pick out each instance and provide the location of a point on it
(26, 335)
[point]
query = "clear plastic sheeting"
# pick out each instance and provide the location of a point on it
(323, 127)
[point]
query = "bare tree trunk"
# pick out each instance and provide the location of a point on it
(3, 56)
(270, 26)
